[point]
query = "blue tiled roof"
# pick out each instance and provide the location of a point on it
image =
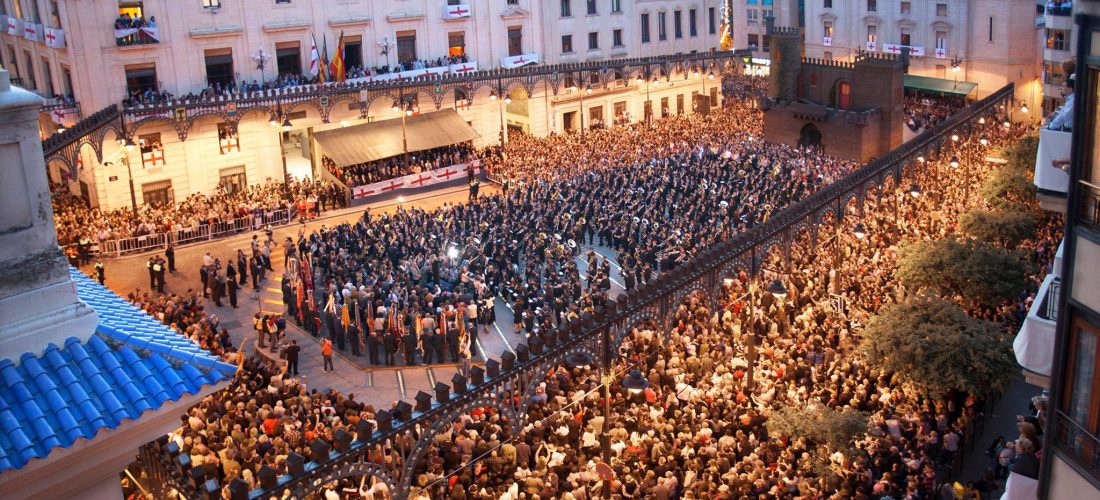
(132, 364)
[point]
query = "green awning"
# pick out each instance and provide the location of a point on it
(938, 85)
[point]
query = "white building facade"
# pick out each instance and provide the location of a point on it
(196, 44)
(992, 42)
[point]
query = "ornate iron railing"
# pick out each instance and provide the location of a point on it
(1088, 205)
(1081, 445)
(509, 383)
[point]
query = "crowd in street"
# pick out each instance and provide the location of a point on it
(700, 429)
(922, 111)
(397, 286)
(76, 222)
(393, 167)
(655, 195)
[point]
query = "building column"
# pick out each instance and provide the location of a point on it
(38, 301)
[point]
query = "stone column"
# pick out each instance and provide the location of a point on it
(38, 301)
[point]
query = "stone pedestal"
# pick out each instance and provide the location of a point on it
(38, 301)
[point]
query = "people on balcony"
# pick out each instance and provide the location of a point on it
(1062, 118)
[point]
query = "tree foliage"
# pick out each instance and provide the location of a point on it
(819, 424)
(975, 270)
(1020, 155)
(1005, 228)
(1010, 186)
(1009, 189)
(934, 345)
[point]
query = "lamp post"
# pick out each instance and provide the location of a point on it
(386, 46)
(587, 91)
(779, 291)
(956, 67)
(406, 110)
(261, 58)
(502, 98)
(282, 121)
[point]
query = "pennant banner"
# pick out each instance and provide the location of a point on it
(519, 61)
(894, 48)
(15, 26)
(456, 11)
(55, 37)
(417, 181)
(454, 69)
(31, 31)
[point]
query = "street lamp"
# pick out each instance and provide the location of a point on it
(914, 191)
(954, 162)
(261, 58)
(983, 141)
(386, 46)
(286, 125)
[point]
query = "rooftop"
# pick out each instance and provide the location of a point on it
(131, 365)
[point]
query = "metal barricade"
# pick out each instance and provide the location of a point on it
(138, 244)
(188, 234)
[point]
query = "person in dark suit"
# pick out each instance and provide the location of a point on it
(256, 268)
(170, 253)
(409, 343)
(242, 266)
(292, 351)
(439, 345)
(204, 276)
(372, 348)
(152, 274)
(232, 286)
(452, 344)
(389, 343)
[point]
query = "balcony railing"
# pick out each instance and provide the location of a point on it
(143, 35)
(1082, 446)
(1048, 307)
(1088, 205)
(1059, 9)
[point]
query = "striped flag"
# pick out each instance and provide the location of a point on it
(314, 57)
(336, 68)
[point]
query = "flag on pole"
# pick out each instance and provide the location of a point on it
(322, 76)
(337, 66)
(314, 57)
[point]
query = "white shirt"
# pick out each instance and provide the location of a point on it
(1063, 116)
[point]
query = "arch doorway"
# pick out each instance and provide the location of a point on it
(810, 136)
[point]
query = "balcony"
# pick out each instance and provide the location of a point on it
(1088, 205)
(137, 36)
(1079, 445)
(1059, 9)
(1052, 182)
(1034, 345)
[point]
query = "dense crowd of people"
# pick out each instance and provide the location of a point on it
(923, 111)
(700, 429)
(656, 195)
(393, 167)
(398, 284)
(77, 224)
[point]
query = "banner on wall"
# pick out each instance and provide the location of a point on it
(519, 61)
(417, 181)
(894, 48)
(15, 26)
(152, 32)
(456, 11)
(55, 38)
